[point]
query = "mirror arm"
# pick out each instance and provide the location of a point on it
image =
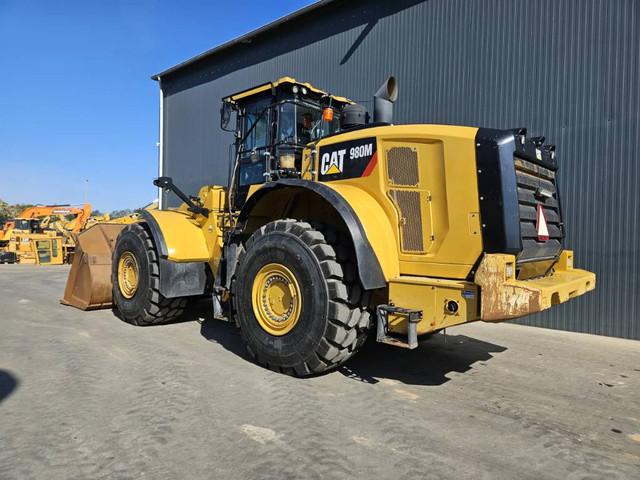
(167, 184)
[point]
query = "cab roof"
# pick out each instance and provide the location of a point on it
(282, 81)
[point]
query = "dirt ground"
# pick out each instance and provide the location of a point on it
(86, 396)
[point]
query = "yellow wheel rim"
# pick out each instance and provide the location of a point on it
(128, 275)
(276, 299)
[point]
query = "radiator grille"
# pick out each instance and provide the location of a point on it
(402, 166)
(408, 204)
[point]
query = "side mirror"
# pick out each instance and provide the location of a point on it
(164, 182)
(225, 116)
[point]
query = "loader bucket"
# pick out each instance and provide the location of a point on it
(89, 282)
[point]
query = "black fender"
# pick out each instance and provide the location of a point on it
(177, 279)
(368, 266)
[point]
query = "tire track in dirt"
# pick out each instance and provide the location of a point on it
(302, 414)
(100, 399)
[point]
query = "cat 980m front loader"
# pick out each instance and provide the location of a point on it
(334, 227)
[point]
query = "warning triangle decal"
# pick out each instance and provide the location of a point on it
(541, 225)
(332, 169)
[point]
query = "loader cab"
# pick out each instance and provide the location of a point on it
(27, 225)
(274, 123)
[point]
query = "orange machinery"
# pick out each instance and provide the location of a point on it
(51, 221)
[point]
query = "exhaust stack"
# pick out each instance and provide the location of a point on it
(383, 101)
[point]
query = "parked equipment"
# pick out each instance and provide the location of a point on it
(29, 243)
(50, 214)
(43, 234)
(334, 226)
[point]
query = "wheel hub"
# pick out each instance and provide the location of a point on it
(276, 299)
(128, 276)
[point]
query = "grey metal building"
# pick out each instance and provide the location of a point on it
(566, 69)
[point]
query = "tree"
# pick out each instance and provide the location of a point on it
(5, 211)
(9, 211)
(121, 213)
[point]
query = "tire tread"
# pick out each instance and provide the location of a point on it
(158, 309)
(349, 319)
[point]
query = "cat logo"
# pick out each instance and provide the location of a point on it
(350, 159)
(332, 163)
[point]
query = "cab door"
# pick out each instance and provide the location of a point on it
(49, 251)
(254, 152)
(43, 252)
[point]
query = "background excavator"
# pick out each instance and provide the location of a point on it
(43, 234)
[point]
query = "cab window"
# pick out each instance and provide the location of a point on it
(301, 123)
(22, 225)
(251, 173)
(256, 126)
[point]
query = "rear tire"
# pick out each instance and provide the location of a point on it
(135, 276)
(332, 319)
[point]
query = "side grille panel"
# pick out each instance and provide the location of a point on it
(402, 166)
(408, 204)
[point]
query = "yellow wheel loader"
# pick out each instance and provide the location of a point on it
(335, 227)
(43, 234)
(28, 242)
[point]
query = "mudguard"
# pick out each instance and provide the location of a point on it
(177, 236)
(376, 227)
(183, 252)
(367, 224)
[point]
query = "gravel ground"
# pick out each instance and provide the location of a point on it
(86, 396)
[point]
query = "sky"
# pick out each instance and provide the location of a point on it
(78, 110)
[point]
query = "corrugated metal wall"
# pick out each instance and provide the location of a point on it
(566, 69)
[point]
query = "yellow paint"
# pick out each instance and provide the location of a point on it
(422, 221)
(128, 276)
(494, 297)
(183, 236)
(45, 248)
(474, 223)
(253, 189)
(195, 238)
(430, 295)
(448, 199)
(276, 299)
(214, 198)
(268, 86)
(332, 170)
(504, 297)
(376, 224)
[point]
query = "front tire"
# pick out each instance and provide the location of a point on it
(299, 307)
(135, 276)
